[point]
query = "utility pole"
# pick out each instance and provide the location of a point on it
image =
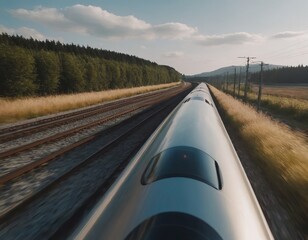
(222, 82)
(234, 82)
(260, 87)
(246, 81)
(260, 84)
(239, 82)
(227, 81)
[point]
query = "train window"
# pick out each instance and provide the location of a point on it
(198, 98)
(185, 162)
(199, 90)
(173, 226)
(186, 100)
(208, 102)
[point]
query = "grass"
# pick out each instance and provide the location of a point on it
(13, 110)
(297, 108)
(281, 153)
(291, 91)
(291, 107)
(294, 108)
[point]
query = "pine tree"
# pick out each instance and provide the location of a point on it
(48, 72)
(17, 72)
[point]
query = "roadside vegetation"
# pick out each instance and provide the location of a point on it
(290, 91)
(296, 108)
(281, 153)
(285, 91)
(290, 107)
(14, 110)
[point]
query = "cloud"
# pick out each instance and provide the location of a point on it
(174, 30)
(288, 34)
(175, 54)
(230, 38)
(96, 21)
(24, 31)
(47, 16)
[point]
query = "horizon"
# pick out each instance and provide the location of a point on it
(191, 37)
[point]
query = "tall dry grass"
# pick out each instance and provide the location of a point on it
(14, 110)
(291, 91)
(292, 107)
(282, 154)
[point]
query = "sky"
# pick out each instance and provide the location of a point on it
(193, 36)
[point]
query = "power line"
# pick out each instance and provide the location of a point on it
(297, 55)
(287, 52)
(299, 48)
(286, 48)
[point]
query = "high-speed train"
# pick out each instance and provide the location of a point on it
(186, 182)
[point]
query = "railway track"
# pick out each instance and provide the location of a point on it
(16, 172)
(72, 131)
(22, 130)
(11, 172)
(77, 167)
(14, 210)
(28, 167)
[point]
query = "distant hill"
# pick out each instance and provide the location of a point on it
(230, 69)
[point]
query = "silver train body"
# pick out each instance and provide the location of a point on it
(186, 182)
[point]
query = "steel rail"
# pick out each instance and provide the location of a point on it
(70, 132)
(15, 132)
(9, 212)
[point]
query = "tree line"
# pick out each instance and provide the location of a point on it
(30, 67)
(285, 75)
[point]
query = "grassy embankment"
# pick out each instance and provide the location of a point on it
(291, 91)
(281, 153)
(290, 107)
(13, 110)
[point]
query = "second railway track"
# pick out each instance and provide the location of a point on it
(21, 165)
(18, 171)
(74, 130)
(21, 130)
(87, 160)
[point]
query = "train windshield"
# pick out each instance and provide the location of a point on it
(185, 162)
(173, 226)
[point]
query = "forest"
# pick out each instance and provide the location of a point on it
(285, 75)
(29, 67)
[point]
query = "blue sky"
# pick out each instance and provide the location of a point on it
(192, 36)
